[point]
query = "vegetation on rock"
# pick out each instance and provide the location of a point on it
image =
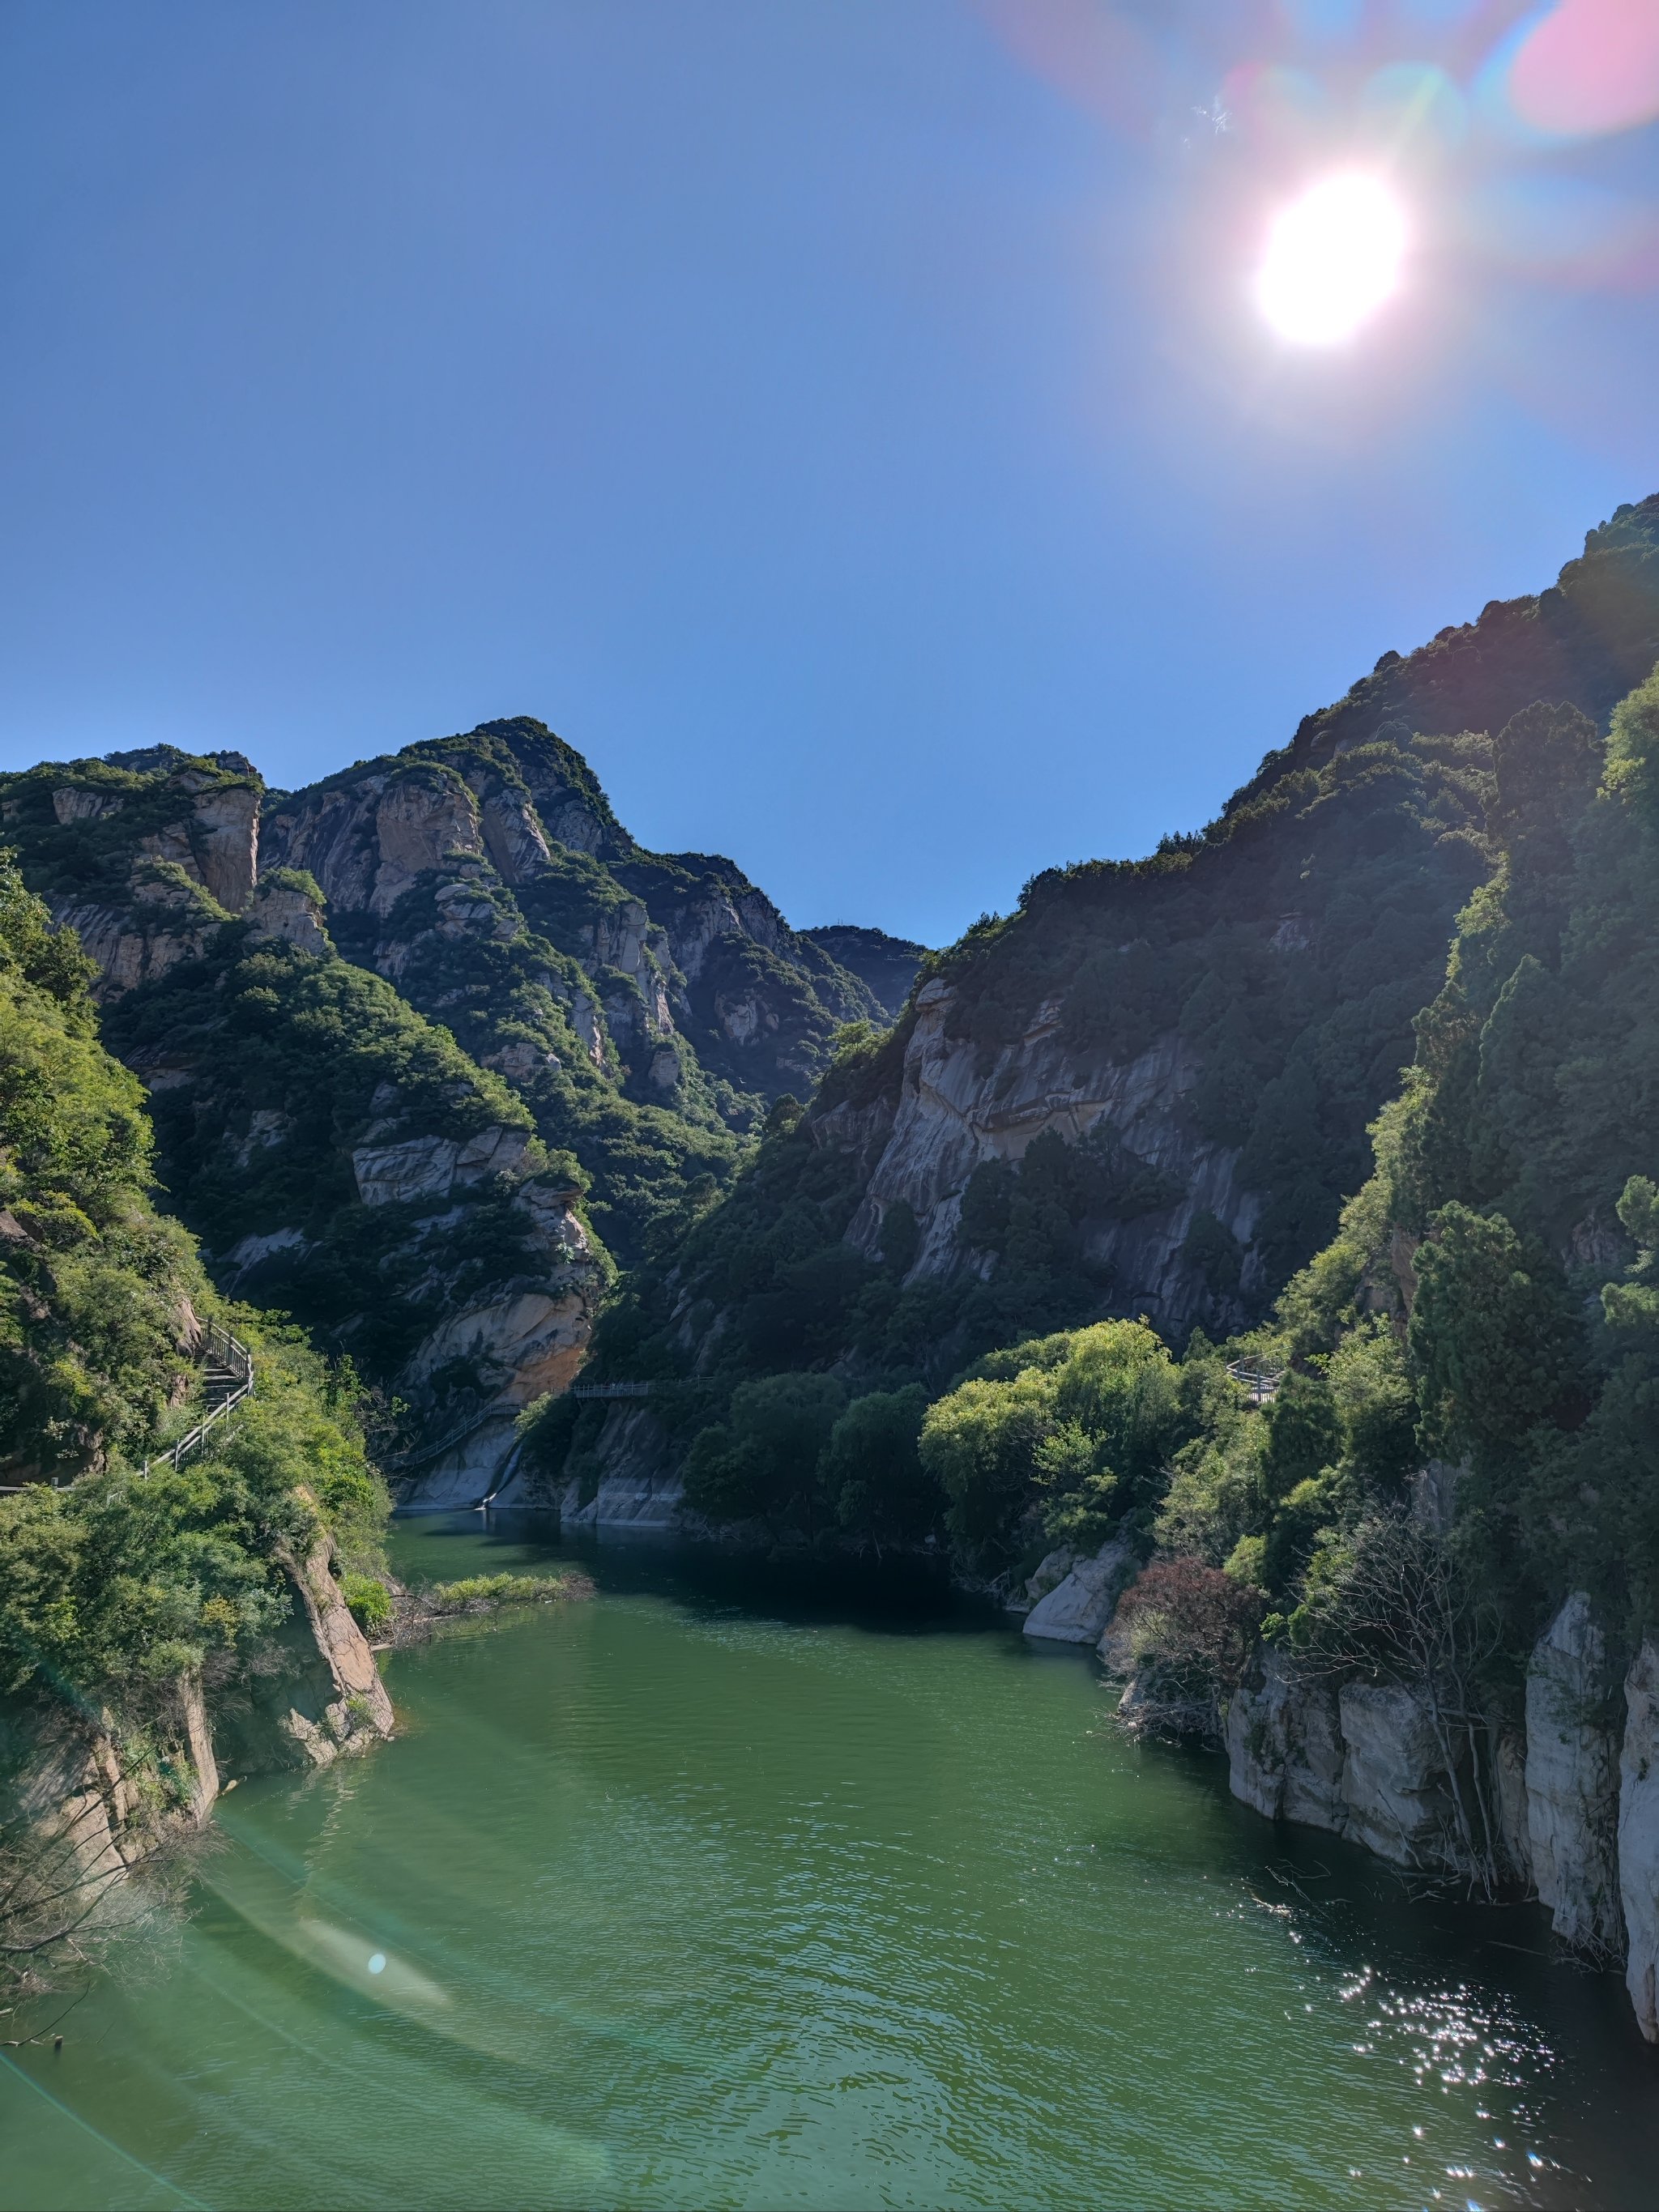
(128, 1595)
(1264, 984)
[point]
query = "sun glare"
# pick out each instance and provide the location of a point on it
(1333, 259)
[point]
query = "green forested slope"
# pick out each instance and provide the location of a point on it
(1289, 954)
(647, 1007)
(100, 1295)
(114, 1584)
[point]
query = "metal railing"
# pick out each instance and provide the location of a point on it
(612, 1390)
(234, 1356)
(1261, 1380)
(230, 1353)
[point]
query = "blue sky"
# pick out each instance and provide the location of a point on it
(845, 420)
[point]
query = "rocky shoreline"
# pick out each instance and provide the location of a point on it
(1565, 1798)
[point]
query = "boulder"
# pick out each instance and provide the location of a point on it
(1638, 1837)
(1051, 1571)
(1572, 1781)
(1078, 1609)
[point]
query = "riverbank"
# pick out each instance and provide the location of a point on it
(729, 1888)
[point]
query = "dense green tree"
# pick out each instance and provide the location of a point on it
(1494, 1337)
(764, 1462)
(873, 1469)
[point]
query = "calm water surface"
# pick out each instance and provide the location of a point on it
(702, 1895)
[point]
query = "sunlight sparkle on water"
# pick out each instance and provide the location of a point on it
(1333, 257)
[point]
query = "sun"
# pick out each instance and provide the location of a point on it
(1333, 257)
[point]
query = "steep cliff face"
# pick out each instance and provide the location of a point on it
(1572, 1780)
(1572, 1801)
(142, 854)
(1638, 1835)
(161, 1623)
(89, 1800)
(955, 1114)
(487, 877)
(1148, 1089)
(339, 1155)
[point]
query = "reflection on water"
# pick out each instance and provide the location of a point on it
(727, 1889)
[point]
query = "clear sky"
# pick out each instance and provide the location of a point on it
(849, 423)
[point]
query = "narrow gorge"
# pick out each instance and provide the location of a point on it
(1240, 1261)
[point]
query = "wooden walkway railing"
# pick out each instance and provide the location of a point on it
(612, 1390)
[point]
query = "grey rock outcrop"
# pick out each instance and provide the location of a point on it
(632, 1496)
(956, 1109)
(1049, 1574)
(318, 1693)
(1573, 1806)
(1363, 1761)
(1638, 1837)
(281, 914)
(1395, 1789)
(1078, 1609)
(1572, 1780)
(416, 1168)
(85, 1803)
(1285, 1746)
(359, 1711)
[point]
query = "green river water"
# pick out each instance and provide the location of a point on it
(717, 1891)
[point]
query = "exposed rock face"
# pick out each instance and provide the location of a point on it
(1393, 1777)
(1051, 1571)
(248, 1251)
(1077, 1610)
(92, 1807)
(198, 1736)
(633, 1495)
(659, 966)
(1572, 1780)
(1285, 1746)
(519, 1347)
(324, 1696)
(72, 805)
(134, 949)
(283, 915)
(1365, 1761)
(1574, 1806)
(528, 1339)
(225, 842)
(1638, 1837)
(359, 1709)
(430, 1167)
(954, 1112)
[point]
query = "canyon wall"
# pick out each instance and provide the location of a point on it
(1569, 1799)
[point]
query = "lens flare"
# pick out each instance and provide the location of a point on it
(1333, 257)
(1588, 66)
